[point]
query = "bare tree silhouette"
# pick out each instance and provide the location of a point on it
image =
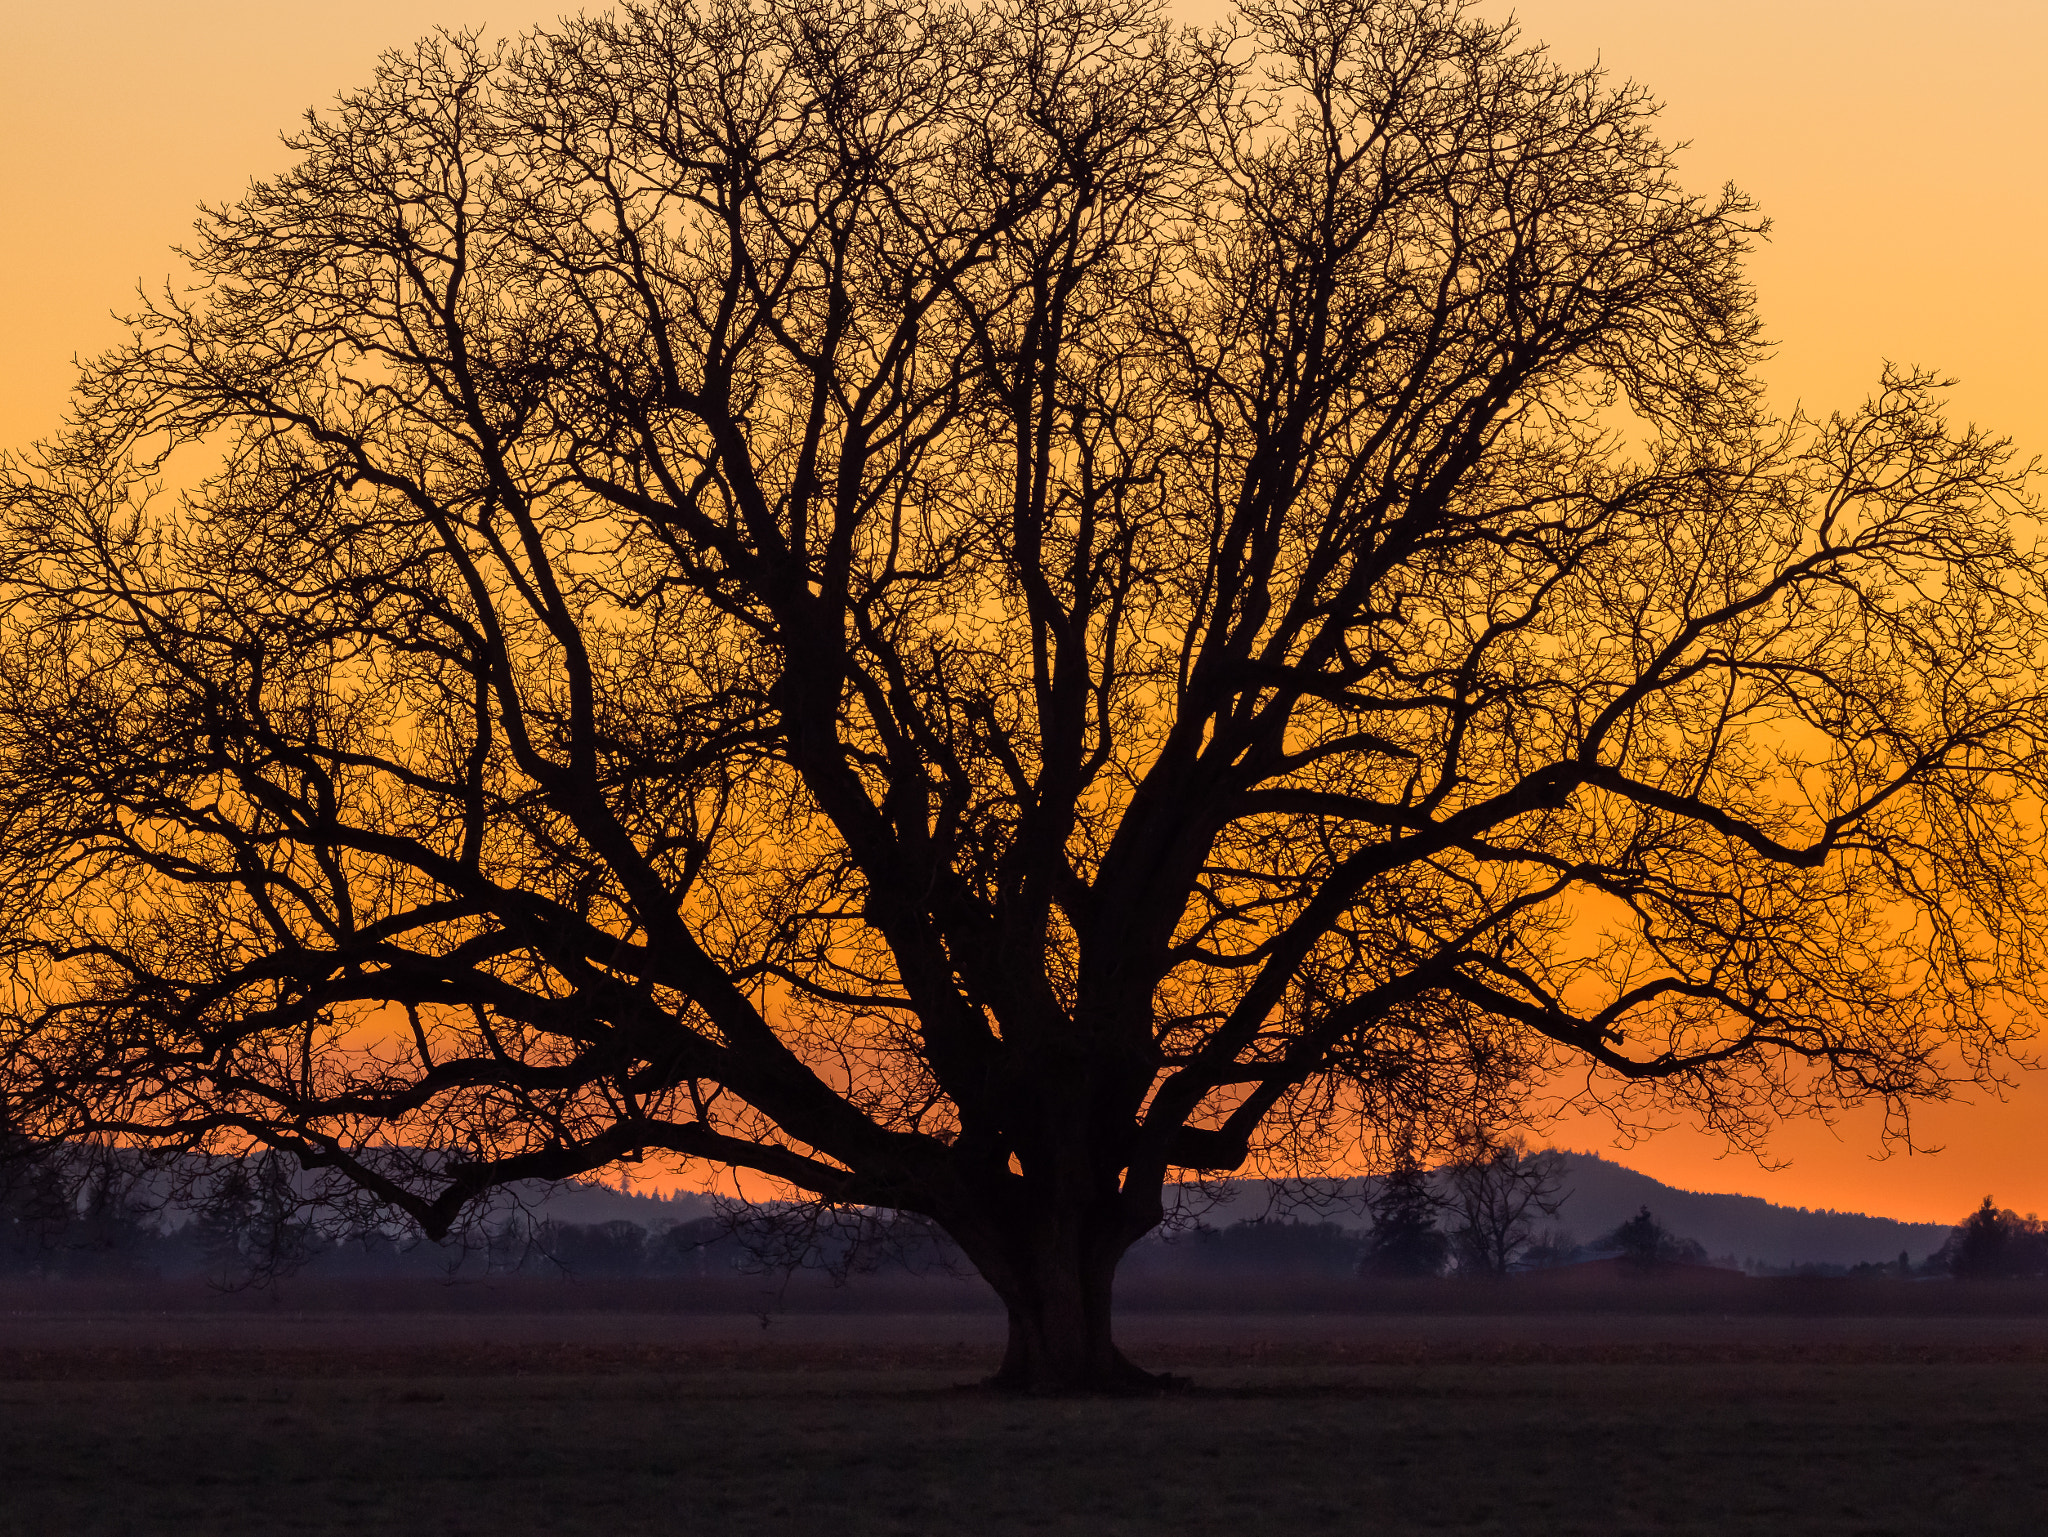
(1495, 1190)
(971, 606)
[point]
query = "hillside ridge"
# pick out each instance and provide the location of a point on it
(1602, 1193)
(1605, 1193)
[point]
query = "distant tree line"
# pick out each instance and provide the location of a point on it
(1483, 1216)
(244, 1221)
(237, 1222)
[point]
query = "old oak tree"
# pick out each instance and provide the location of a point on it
(974, 607)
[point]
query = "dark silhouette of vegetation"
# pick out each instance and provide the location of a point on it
(1494, 1194)
(973, 609)
(1405, 1240)
(1644, 1242)
(1261, 1248)
(1551, 1248)
(50, 1227)
(1992, 1243)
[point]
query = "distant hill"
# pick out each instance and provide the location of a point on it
(1605, 1193)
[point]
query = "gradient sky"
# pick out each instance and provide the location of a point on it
(1896, 145)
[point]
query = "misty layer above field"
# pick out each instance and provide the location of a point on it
(587, 1229)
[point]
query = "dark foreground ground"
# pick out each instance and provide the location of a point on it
(273, 1420)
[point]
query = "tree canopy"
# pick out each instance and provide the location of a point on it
(1644, 1242)
(1993, 1242)
(972, 607)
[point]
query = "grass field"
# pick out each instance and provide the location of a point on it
(1581, 1426)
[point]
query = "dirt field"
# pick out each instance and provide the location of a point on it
(275, 1421)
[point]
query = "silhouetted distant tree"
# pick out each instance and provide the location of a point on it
(1552, 1247)
(36, 1213)
(1494, 1194)
(1644, 1241)
(973, 607)
(1993, 1243)
(1405, 1240)
(62, 1216)
(247, 1223)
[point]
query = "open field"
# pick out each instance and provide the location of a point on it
(1548, 1294)
(278, 1421)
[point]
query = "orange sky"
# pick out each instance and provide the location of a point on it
(1897, 145)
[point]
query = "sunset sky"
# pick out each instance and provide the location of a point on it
(1897, 147)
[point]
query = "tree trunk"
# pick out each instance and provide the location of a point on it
(1060, 1325)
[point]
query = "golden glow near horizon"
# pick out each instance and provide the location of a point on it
(1896, 146)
